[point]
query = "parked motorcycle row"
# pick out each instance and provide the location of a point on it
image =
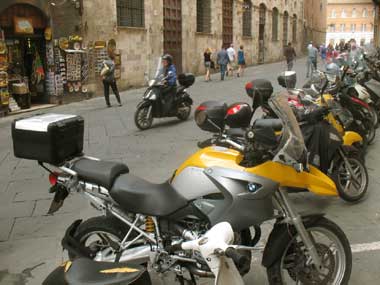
(205, 220)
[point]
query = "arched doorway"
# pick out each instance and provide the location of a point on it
(285, 28)
(23, 27)
(262, 20)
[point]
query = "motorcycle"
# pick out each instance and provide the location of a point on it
(331, 152)
(143, 222)
(153, 105)
(86, 271)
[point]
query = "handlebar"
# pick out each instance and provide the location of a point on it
(221, 140)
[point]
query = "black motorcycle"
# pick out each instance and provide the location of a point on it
(87, 271)
(154, 104)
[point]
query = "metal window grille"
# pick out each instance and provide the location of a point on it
(247, 18)
(275, 24)
(130, 13)
(203, 16)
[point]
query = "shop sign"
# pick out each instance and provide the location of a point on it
(23, 25)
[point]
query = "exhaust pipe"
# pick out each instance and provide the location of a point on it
(139, 254)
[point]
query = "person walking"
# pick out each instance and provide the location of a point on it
(290, 55)
(241, 61)
(222, 60)
(231, 55)
(311, 60)
(323, 52)
(109, 80)
(207, 63)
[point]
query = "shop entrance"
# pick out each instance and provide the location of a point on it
(22, 31)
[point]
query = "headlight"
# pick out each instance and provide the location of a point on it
(151, 82)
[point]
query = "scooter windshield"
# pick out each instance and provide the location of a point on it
(291, 150)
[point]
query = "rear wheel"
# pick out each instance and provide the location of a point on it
(144, 118)
(351, 179)
(101, 235)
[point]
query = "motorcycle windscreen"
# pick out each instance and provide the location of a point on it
(228, 273)
(291, 150)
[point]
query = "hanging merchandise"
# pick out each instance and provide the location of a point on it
(73, 64)
(38, 73)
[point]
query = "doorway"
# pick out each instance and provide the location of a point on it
(227, 23)
(173, 31)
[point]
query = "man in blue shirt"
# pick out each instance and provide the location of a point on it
(169, 90)
(223, 60)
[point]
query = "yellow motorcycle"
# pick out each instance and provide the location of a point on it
(142, 221)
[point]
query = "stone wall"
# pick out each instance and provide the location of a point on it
(141, 46)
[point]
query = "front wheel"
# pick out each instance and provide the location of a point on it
(293, 267)
(351, 179)
(184, 112)
(144, 117)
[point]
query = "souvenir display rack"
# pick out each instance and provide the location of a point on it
(4, 92)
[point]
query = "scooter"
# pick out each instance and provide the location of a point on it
(142, 222)
(153, 105)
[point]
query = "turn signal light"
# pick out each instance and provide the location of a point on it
(53, 178)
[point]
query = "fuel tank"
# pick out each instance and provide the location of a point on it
(191, 181)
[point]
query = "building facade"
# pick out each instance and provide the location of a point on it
(186, 28)
(140, 31)
(315, 20)
(350, 19)
(377, 23)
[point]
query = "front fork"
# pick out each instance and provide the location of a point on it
(296, 221)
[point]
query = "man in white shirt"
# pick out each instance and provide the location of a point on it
(232, 56)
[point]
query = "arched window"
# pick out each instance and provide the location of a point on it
(294, 39)
(285, 28)
(247, 18)
(333, 13)
(344, 14)
(354, 13)
(275, 24)
(204, 16)
(130, 13)
(365, 13)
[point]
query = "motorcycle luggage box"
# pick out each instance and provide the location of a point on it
(49, 138)
(186, 79)
(210, 116)
(238, 115)
(287, 79)
(263, 87)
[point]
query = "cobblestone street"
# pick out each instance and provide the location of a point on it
(30, 239)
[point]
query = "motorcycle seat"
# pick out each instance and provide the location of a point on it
(102, 173)
(88, 272)
(275, 124)
(137, 195)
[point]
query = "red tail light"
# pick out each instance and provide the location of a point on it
(201, 108)
(233, 110)
(53, 178)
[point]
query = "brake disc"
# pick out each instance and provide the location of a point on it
(308, 274)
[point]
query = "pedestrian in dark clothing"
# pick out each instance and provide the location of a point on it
(223, 60)
(290, 55)
(207, 62)
(241, 61)
(109, 80)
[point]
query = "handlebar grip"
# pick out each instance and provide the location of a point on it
(240, 260)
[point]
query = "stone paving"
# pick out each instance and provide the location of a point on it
(30, 239)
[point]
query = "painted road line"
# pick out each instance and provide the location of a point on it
(362, 247)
